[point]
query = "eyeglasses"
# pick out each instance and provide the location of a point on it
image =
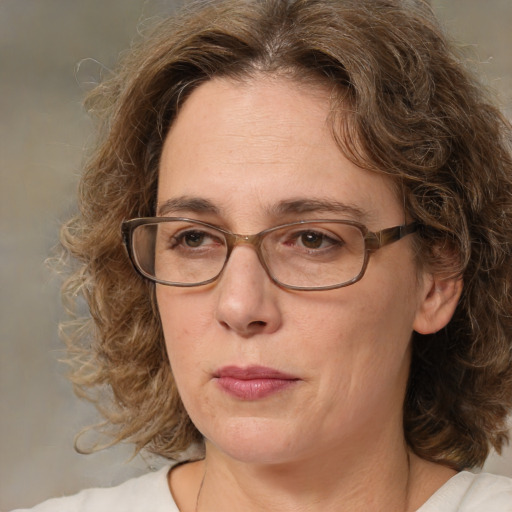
(303, 255)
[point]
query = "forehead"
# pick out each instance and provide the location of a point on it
(246, 147)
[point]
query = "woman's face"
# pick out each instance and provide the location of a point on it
(268, 374)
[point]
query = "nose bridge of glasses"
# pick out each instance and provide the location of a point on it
(235, 239)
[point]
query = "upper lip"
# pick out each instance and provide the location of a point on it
(252, 372)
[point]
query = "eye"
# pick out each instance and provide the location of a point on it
(313, 239)
(194, 239)
(307, 241)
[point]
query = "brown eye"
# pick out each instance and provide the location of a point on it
(312, 240)
(193, 238)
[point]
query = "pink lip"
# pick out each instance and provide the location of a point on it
(253, 382)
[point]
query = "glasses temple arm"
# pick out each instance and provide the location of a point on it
(389, 235)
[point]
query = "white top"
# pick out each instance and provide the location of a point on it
(147, 493)
(465, 492)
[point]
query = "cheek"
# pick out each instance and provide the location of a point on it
(366, 332)
(185, 325)
(181, 314)
(185, 331)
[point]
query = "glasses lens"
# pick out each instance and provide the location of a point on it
(312, 255)
(179, 252)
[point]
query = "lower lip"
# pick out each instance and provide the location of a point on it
(253, 389)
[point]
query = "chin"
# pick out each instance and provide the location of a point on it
(255, 441)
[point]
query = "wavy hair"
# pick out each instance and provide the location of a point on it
(414, 113)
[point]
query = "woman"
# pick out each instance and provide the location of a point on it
(316, 200)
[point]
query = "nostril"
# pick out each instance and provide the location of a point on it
(256, 327)
(247, 330)
(258, 323)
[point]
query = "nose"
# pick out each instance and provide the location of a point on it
(247, 298)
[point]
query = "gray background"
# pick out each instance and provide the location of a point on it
(43, 134)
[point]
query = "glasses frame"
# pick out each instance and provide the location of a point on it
(373, 241)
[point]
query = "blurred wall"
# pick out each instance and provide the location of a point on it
(43, 133)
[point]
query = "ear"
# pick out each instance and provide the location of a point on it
(440, 298)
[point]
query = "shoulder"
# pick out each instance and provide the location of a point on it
(469, 492)
(133, 495)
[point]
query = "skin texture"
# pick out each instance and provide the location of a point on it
(335, 435)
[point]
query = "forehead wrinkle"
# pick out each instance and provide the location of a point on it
(270, 146)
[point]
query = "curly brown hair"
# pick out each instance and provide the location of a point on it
(415, 114)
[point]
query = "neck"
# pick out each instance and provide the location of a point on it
(336, 481)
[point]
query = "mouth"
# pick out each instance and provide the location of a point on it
(253, 382)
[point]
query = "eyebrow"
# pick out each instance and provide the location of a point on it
(296, 206)
(188, 204)
(301, 206)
